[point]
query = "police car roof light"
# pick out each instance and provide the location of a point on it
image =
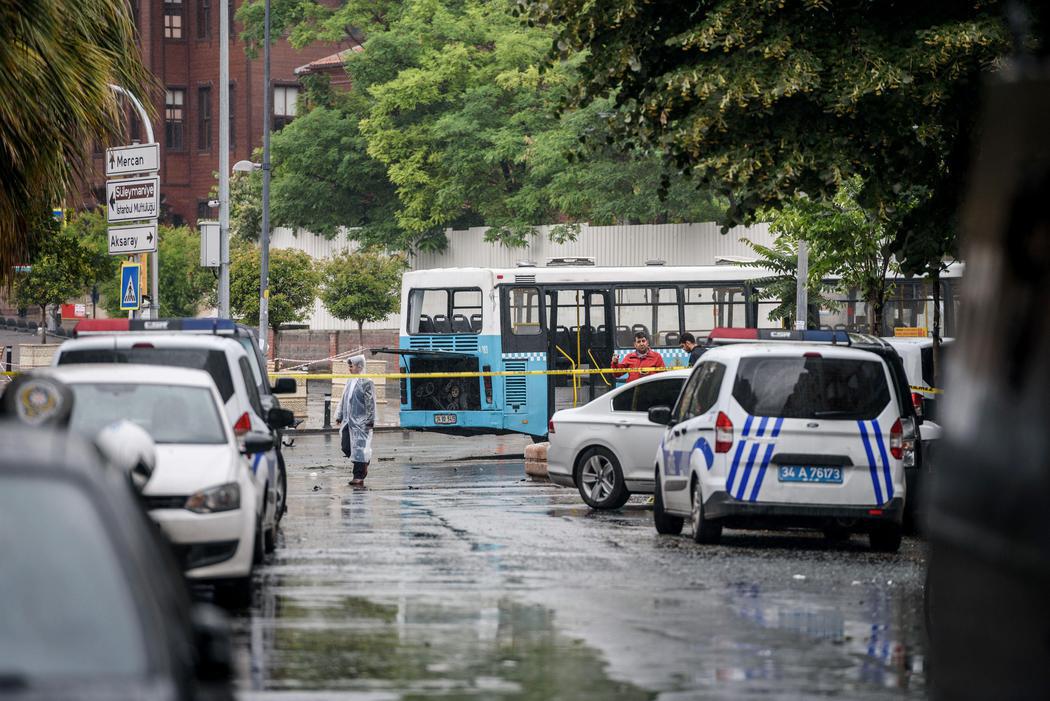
(89, 326)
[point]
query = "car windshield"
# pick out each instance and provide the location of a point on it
(67, 610)
(169, 413)
(211, 361)
(811, 387)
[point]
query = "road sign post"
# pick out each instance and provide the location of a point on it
(129, 286)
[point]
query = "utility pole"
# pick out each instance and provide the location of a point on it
(224, 160)
(801, 289)
(264, 273)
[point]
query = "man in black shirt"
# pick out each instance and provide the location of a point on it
(688, 344)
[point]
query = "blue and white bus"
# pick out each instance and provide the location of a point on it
(563, 318)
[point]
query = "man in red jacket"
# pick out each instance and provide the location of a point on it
(641, 357)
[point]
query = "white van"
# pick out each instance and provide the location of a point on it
(785, 435)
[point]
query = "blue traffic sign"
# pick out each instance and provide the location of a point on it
(129, 285)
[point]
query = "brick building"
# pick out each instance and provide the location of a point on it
(180, 45)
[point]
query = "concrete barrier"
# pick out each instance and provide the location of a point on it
(536, 459)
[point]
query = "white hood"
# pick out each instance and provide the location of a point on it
(183, 469)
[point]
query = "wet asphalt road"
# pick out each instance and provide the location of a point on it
(460, 579)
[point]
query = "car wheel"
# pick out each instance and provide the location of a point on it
(665, 523)
(705, 531)
(600, 480)
(259, 544)
(886, 537)
(282, 487)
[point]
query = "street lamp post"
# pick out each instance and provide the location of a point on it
(224, 160)
(264, 239)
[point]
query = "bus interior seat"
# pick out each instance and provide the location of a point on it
(426, 324)
(442, 324)
(624, 338)
(639, 327)
(475, 323)
(672, 338)
(460, 324)
(563, 339)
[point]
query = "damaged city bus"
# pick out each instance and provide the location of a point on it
(532, 320)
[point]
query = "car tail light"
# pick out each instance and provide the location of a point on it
(243, 425)
(811, 354)
(141, 345)
(916, 401)
(897, 440)
(550, 427)
(723, 433)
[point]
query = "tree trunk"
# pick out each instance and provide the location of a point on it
(361, 334)
(43, 323)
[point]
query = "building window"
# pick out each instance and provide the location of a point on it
(233, 112)
(173, 19)
(174, 118)
(204, 118)
(284, 97)
(203, 19)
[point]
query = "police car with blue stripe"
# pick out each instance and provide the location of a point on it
(790, 435)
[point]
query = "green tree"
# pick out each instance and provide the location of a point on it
(184, 285)
(450, 124)
(846, 240)
(362, 286)
(762, 100)
(781, 285)
(55, 99)
(292, 283)
(60, 268)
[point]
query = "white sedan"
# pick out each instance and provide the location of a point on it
(205, 491)
(607, 448)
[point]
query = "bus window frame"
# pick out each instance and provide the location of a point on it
(614, 288)
(750, 306)
(450, 294)
(521, 343)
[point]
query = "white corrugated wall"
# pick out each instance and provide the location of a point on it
(675, 244)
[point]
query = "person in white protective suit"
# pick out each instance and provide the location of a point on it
(357, 418)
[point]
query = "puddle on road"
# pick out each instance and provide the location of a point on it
(410, 649)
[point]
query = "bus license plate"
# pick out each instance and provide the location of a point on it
(809, 473)
(445, 419)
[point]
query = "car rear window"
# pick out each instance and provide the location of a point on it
(68, 611)
(811, 387)
(643, 396)
(169, 413)
(211, 361)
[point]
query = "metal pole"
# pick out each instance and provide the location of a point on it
(154, 259)
(801, 289)
(264, 273)
(224, 160)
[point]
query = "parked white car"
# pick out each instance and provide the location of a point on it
(786, 435)
(227, 362)
(607, 447)
(206, 491)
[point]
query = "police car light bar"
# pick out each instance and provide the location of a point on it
(722, 335)
(108, 326)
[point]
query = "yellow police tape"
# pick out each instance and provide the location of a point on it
(493, 373)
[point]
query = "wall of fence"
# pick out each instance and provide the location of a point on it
(675, 244)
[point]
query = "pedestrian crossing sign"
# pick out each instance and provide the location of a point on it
(129, 285)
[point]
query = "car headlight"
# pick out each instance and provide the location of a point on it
(225, 497)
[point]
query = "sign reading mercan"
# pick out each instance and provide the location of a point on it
(127, 160)
(133, 199)
(137, 238)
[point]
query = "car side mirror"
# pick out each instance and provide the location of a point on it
(278, 418)
(660, 415)
(211, 637)
(256, 442)
(284, 385)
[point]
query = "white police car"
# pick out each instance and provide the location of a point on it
(783, 435)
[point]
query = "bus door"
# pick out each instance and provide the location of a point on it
(581, 339)
(524, 339)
